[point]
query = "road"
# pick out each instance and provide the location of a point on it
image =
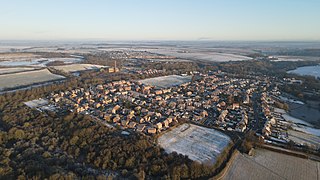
(257, 123)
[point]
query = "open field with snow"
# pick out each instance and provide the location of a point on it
(289, 118)
(14, 70)
(17, 56)
(296, 58)
(267, 164)
(168, 60)
(40, 104)
(78, 67)
(38, 62)
(289, 100)
(37, 103)
(307, 129)
(302, 132)
(198, 143)
(192, 54)
(166, 81)
(303, 138)
(27, 78)
(287, 58)
(30, 59)
(308, 112)
(307, 71)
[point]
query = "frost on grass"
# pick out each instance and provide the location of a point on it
(27, 78)
(37, 103)
(36, 62)
(267, 164)
(166, 81)
(307, 71)
(78, 67)
(15, 70)
(198, 143)
(193, 54)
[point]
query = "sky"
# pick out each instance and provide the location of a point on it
(230, 20)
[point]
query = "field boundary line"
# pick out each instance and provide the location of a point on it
(318, 172)
(225, 170)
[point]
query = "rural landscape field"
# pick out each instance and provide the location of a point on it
(198, 143)
(167, 81)
(78, 67)
(266, 164)
(27, 78)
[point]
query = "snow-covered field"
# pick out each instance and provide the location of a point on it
(17, 56)
(303, 138)
(27, 78)
(287, 117)
(39, 62)
(303, 132)
(267, 164)
(78, 67)
(288, 58)
(199, 55)
(37, 103)
(166, 81)
(14, 70)
(278, 110)
(198, 143)
(40, 104)
(291, 100)
(307, 71)
(299, 124)
(168, 60)
(64, 49)
(296, 58)
(307, 130)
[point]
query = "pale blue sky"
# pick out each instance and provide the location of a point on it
(160, 19)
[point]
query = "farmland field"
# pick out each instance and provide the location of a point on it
(304, 138)
(30, 59)
(166, 81)
(307, 71)
(199, 55)
(198, 143)
(267, 164)
(17, 56)
(14, 70)
(296, 58)
(27, 78)
(78, 67)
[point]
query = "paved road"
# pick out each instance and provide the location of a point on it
(256, 124)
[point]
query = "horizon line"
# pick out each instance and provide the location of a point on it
(152, 40)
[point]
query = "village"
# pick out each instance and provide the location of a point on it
(208, 99)
(215, 100)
